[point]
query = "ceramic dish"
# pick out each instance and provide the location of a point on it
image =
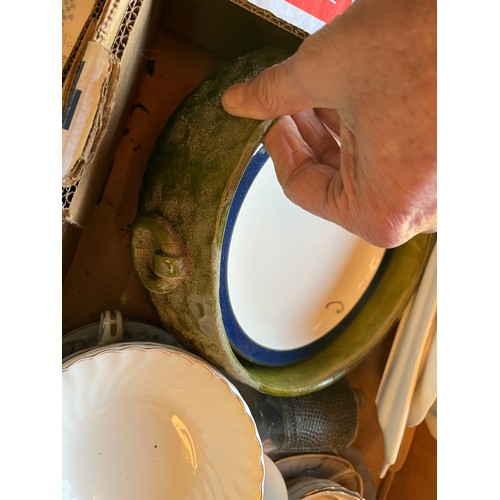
(176, 242)
(289, 281)
(143, 420)
(310, 487)
(274, 484)
(431, 419)
(322, 466)
(87, 336)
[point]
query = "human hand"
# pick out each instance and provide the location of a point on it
(367, 78)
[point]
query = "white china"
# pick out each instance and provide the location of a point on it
(322, 467)
(314, 488)
(274, 483)
(144, 420)
(91, 335)
(292, 277)
(431, 419)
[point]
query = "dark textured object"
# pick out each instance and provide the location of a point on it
(325, 421)
(322, 422)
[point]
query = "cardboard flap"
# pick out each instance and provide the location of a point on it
(87, 107)
(112, 17)
(79, 20)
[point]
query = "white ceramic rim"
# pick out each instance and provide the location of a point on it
(252, 441)
(275, 324)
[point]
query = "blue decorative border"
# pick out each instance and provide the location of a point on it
(74, 97)
(241, 343)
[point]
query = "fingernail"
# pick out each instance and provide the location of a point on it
(232, 97)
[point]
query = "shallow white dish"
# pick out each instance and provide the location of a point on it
(288, 278)
(87, 336)
(143, 420)
(322, 466)
(310, 487)
(274, 483)
(431, 419)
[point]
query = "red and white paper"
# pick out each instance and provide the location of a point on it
(308, 15)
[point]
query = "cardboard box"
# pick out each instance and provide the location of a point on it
(198, 35)
(301, 17)
(101, 70)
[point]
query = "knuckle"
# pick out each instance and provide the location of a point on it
(267, 94)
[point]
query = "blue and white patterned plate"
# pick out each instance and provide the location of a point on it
(290, 282)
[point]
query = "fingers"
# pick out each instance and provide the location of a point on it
(331, 119)
(320, 138)
(272, 93)
(315, 76)
(287, 148)
(305, 180)
(330, 182)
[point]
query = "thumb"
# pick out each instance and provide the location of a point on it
(274, 92)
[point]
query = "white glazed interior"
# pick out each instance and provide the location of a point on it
(141, 421)
(292, 276)
(274, 484)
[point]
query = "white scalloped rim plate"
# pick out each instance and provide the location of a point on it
(142, 420)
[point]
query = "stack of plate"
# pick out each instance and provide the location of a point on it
(328, 476)
(277, 298)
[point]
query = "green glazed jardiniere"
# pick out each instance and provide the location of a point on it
(176, 241)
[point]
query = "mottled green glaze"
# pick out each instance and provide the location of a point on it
(176, 240)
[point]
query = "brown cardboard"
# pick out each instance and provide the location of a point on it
(222, 27)
(81, 190)
(269, 16)
(87, 111)
(78, 24)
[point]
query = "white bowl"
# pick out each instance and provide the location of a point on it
(142, 420)
(274, 483)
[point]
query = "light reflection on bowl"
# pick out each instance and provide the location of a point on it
(142, 420)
